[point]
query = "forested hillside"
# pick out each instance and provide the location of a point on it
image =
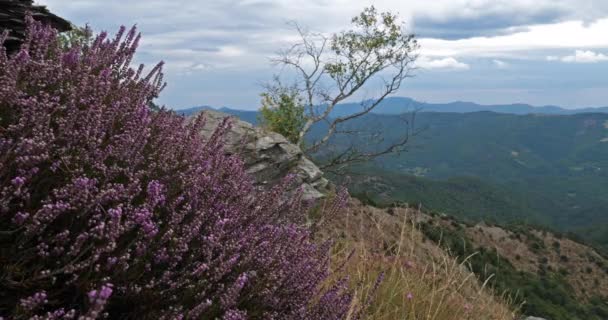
(548, 170)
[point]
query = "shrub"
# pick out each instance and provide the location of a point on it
(109, 209)
(282, 111)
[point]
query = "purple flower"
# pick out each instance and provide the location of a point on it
(35, 301)
(131, 209)
(18, 181)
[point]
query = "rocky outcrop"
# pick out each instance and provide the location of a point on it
(12, 18)
(268, 155)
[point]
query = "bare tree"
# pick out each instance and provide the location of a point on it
(332, 69)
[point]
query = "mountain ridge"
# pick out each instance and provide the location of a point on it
(399, 105)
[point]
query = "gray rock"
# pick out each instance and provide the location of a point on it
(534, 318)
(268, 156)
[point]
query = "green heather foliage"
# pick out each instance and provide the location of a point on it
(111, 210)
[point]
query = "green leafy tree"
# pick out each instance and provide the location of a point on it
(375, 52)
(282, 111)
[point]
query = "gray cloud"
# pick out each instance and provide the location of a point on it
(209, 44)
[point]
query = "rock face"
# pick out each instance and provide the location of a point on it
(268, 156)
(12, 18)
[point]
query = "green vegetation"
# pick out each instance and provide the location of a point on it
(468, 198)
(550, 170)
(545, 293)
(282, 112)
(78, 36)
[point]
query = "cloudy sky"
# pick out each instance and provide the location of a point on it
(487, 51)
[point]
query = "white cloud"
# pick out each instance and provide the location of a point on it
(441, 63)
(581, 56)
(500, 64)
(199, 66)
(562, 35)
(230, 51)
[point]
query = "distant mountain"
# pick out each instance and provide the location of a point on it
(400, 105)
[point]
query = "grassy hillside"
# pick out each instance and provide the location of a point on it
(547, 274)
(420, 280)
(556, 277)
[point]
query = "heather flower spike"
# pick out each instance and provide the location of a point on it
(111, 210)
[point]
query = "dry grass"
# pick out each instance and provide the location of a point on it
(433, 286)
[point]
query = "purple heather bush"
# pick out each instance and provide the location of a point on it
(111, 210)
